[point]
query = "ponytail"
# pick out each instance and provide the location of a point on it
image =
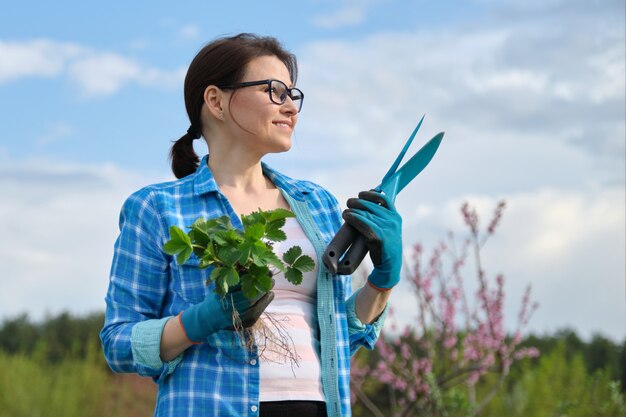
(183, 157)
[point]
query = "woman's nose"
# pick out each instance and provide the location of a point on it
(289, 106)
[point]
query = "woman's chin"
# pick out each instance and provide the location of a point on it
(283, 146)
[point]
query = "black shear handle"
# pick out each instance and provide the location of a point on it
(351, 240)
(347, 239)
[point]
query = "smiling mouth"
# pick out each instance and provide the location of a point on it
(282, 124)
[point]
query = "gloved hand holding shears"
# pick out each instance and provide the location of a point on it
(373, 224)
(375, 217)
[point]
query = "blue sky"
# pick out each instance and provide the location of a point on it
(163, 36)
(530, 94)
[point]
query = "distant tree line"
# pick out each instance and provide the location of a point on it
(53, 339)
(65, 336)
(600, 353)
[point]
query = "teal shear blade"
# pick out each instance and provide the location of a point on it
(394, 183)
(396, 163)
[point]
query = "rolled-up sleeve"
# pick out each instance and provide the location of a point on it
(362, 334)
(138, 283)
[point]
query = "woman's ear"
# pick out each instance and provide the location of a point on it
(214, 100)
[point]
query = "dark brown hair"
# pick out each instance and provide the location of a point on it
(221, 62)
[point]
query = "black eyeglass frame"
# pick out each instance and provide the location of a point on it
(269, 82)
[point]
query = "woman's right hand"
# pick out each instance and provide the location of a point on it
(215, 313)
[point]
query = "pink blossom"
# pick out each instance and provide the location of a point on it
(496, 217)
(527, 352)
(470, 217)
(405, 352)
(473, 377)
(450, 342)
(473, 347)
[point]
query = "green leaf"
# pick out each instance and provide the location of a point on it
(246, 249)
(257, 260)
(221, 286)
(258, 253)
(249, 288)
(209, 251)
(179, 244)
(216, 273)
(223, 224)
(279, 213)
(255, 231)
(294, 276)
(273, 231)
(263, 255)
(231, 277)
(276, 235)
(220, 238)
(229, 255)
(270, 258)
(259, 248)
(256, 281)
(304, 263)
(208, 257)
(292, 254)
(222, 276)
(199, 233)
(235, 236)
(203, 264)
(255, 217)
(264, 283)
(209, 280)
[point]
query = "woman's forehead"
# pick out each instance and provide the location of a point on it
(266, 67)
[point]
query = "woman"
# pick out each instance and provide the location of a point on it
(162, 320)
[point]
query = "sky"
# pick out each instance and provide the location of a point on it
(530, 94)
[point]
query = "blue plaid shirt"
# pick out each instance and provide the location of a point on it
(147, 288)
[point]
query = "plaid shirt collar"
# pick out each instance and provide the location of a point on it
(204, 182)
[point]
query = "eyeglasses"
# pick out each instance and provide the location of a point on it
(277, 90)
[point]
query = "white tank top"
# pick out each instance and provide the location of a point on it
(294, 307)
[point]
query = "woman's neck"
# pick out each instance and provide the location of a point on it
(238, 174)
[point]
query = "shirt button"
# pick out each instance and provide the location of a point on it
(254, 408)
(253, 362)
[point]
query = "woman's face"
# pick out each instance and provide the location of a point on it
(263, 125)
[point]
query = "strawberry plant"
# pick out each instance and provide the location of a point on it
(240, 257)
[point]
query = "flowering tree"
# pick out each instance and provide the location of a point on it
(433, 368)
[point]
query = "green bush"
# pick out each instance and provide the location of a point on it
(556, 386)
(32, 386)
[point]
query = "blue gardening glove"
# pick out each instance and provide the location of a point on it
(214, 313)
(374, 215)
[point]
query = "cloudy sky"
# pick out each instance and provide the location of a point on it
(531, 95)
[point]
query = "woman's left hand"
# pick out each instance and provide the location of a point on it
(374, 215)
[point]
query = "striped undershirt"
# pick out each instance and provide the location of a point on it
(294, 311)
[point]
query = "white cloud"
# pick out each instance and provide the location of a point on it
(190, 32)
(347, 16)
(60, 225)
(36, 58)
(96, 73)
(507, 80)
(54, 133)
(524, 80)
(348, 13)
(103, 74)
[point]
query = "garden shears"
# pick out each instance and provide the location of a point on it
(348, 248)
